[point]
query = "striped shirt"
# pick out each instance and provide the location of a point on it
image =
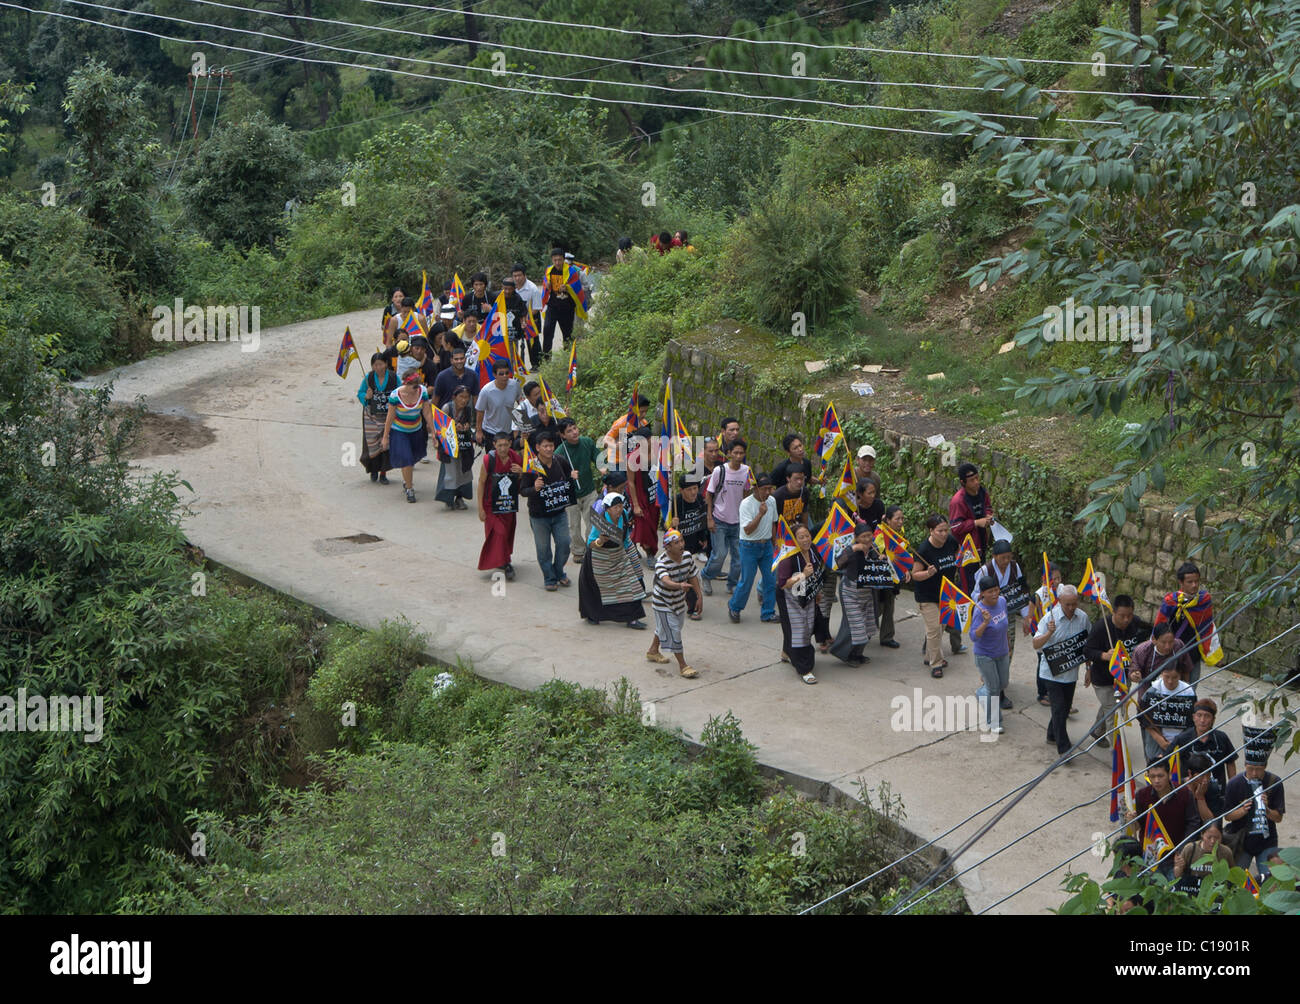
(408, 419)
(672, 600)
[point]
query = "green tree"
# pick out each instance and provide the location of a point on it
(111, 163)
(1192, 209)
(235, 190)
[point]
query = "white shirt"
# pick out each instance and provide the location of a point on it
(1180, 690)
(1059, 628)
(749, 512)
(531, 294)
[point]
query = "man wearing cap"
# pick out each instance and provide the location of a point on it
(1258, 803)
(560, 310)
(864, 467)
(758, 513)
(515, 319)
(970, 512)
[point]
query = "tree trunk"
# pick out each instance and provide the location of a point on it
(471, 27)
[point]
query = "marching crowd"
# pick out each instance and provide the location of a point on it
(715, 521)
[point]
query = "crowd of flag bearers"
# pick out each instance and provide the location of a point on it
(448, 370)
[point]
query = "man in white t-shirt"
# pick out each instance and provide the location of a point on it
(1058, 626)
(757, 514)
(725, 490)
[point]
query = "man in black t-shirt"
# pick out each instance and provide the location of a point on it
(476, 300)
(693, 523)
(792, 501)
(549, 494)
(1121, 625)
(1203, 737)
(795, 460)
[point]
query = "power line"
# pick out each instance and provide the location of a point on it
(1090, 801)
(759, 41)
(517, 90)
(685, 68)
(1074, 751)
(1033, 782)
(852, 106)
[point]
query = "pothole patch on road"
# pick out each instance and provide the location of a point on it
(350, 544)
(160, 434)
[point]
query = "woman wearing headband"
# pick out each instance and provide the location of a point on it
(675, 576)
(610, 586)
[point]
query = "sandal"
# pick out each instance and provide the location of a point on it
(696, 616)
(566, 582)
(785, 657)
(656, 657)
(808, 678)
(937, 672)
(687, 672)
(551, 587)
(824, 646)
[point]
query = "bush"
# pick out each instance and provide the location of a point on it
(790, 256)
(365, 669)
(908, 282)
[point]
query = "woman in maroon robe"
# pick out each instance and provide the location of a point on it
(641, 493)
(498, 505)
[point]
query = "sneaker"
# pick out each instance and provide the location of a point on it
(374, 475)
(1005, 703)
(959, 650)
(410, 494)
(510, 573)
(770, 620)
(425, 460)
(889, 644)
(460, 504)
(707, 586)
(997, 730)
(735, 617)
(383, 479)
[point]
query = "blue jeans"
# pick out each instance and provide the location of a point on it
(755, 559)
(723, 541)
(544, 528)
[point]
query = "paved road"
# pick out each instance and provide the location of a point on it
(272, 497)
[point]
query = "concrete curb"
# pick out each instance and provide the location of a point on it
(496, 665)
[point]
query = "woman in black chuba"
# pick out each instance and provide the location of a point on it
(373, 394)
(798, 588)
(610, 587)
(857, 597)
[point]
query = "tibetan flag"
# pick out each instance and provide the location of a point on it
(1116, 778)
(347, 352)
(683, 451)
(783, 544)
(844, 484)
(897, 549)
(457, 290)
(445, 429)
(552, 403)
(954, 606)
(828, 437)
(1199, 612)
(1119, 663)
(426, 303)
(530, 462)
(1175, 768)
(1047, 582)
(1091, 587)
(579, 291)
(493, 345)
(1155, 836)
(829, 540)
(664, 494)
(1251, 886)
(969, 553)
(412, 326)
(573, 357)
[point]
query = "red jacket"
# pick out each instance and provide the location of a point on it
(962, 520)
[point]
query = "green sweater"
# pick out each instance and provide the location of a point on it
(583, 459)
